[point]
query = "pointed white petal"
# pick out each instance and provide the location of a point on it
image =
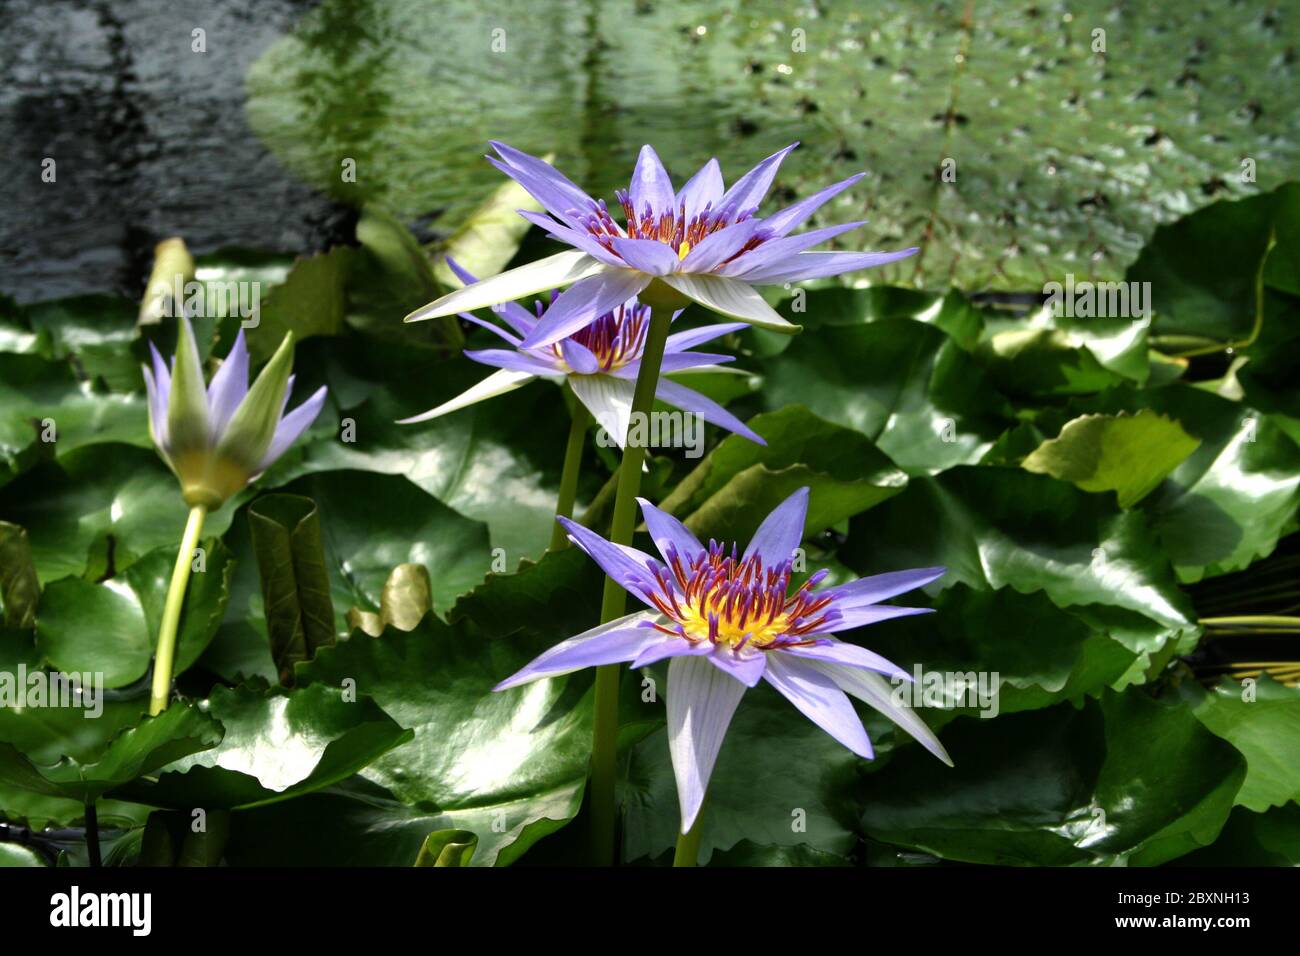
(553, 272)
(730, 297)
(701, 701)
(498, 383)
(876, 692)
(609, 400)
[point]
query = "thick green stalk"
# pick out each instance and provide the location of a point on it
(165, 655)
(688, 846)
(604, 741)
(572, 466)
(92, 835)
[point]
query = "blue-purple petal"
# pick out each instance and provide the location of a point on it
(651, 186)
(792, 216)
(668, 533)
(292, 426)
(515, 361)
(681, 341)
(881, 587)
(649, 255)
(781, 531)
(611, 643)
(583, 302)
(746, 668)
(228, 387)
(748, 191)
(820, 700)
(626, 565)
(849, 655)
(689, 400)
(784, 249)
(819, 265)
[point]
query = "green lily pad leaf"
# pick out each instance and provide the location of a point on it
(1282, 268)
(739, 482)
(20, 589)
(981, 636)
(995, 527)
(489, 237)
(95, 334)
(395, 279)
(403, 603)
(1254, 839)
(99, 509)
(137, 751)
(509, 767)
(11, 854)
(1127, 780)
(907, 386)
(1231, 500)
(310, 302)
(497, 462)
(111, 628)
(278, 744)
(295, 583)
(1201, 285)
(1127, 454)
(1265, 726)
(447, 848)
(373, 523)
(47, 412)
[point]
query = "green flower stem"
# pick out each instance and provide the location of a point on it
(688, 845)
(572, 466)
(92, 835)
(1257, 621)
(171, 619)
(604, 740)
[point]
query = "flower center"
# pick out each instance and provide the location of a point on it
(737, 602)
(615, 338)
(671, 228)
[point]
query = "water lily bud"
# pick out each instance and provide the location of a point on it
(219, 438)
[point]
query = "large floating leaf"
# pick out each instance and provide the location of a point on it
(983, 633)
(278, 744)
(139, 750)
(99, 508)
(995, 527)
(310, 302)
(112, 627)
(508, 767)
(905, 385)
(1265, 726)
(1231, 499)
(47, 412)
(730, 492)
(1203, 269)
(1127, 454)
(1127, 780)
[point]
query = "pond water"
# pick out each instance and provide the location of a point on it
(1064, 154)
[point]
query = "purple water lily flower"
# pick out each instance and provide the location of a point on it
(217, 440)
(600, 362)
(702, 243)
(726, 621)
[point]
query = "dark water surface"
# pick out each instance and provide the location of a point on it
(150, 140)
